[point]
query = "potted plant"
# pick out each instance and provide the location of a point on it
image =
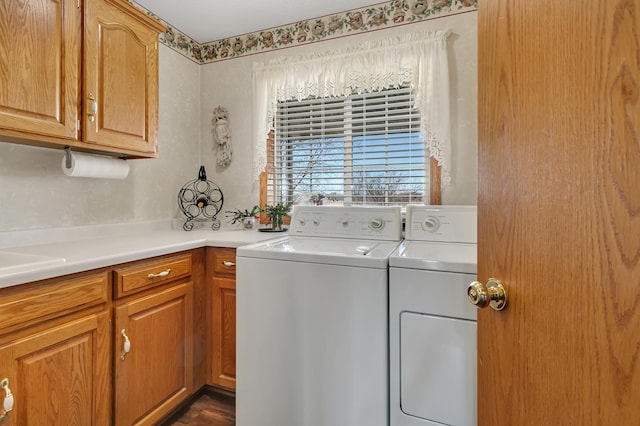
(246, 217)
(276, 213)
(316, 198)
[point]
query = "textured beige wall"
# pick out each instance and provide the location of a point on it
(34, 193)
(229, 84)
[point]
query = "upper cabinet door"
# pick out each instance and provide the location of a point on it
(120, 78)
(40, 67)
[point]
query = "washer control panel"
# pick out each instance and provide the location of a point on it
(377, 223)
(456, 224)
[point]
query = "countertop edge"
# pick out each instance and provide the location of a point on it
(90, 254)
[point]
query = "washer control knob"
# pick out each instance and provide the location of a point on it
(431, 224)
(302, 221)
(316, 222)
(377, 224)
(345, 223)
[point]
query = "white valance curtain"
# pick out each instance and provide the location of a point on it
(419, 59)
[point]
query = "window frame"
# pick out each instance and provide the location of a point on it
(435, 178)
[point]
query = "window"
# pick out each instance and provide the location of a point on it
(363, 149)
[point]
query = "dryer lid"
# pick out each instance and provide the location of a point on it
(436, 256)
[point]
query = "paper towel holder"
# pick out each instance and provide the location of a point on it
(67, 156)
(88, 165)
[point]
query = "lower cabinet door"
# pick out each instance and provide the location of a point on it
(59, 376)
(224, 333)
(153, 355)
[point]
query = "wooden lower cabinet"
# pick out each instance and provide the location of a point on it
(61, 375)
(62, 344)
(156, 375)
(224, 332)
(55, 351)
(221, 271)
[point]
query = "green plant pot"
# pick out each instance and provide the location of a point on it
(276, 222)
(248, 223)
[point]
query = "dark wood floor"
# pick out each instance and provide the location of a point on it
(209, 409)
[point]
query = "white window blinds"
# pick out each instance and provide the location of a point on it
(363, 149)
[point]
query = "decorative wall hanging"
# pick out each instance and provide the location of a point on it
(222, 135)
(200, 200)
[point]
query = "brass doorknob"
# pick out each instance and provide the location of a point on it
(492, 294)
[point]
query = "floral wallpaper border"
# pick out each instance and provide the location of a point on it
(383, 15)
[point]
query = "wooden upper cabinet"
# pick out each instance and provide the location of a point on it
(79, 73)
(120, 77)
(40, 67)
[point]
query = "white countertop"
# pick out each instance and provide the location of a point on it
(27, 256)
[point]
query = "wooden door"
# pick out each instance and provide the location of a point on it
(40, 67)
(224, 332)
(559, 211)
(60, 376)
(120, 77)
(222, 269)
(157, 374)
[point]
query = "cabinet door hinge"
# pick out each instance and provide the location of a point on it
(77, 125)
(78, 4)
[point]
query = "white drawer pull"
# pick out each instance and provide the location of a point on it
(8, 401)
(229, 264)
(160, 275)
(126, 347)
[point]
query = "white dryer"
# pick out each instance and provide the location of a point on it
(432, 326)
(312, 320)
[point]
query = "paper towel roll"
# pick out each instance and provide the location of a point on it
(93, 166)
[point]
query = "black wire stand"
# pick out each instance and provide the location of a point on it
(200, 200)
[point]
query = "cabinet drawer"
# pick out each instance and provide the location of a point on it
(51, 300)
(148, 274)
(224, 262)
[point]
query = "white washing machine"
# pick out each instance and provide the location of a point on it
(432, 326)
(312, 320)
